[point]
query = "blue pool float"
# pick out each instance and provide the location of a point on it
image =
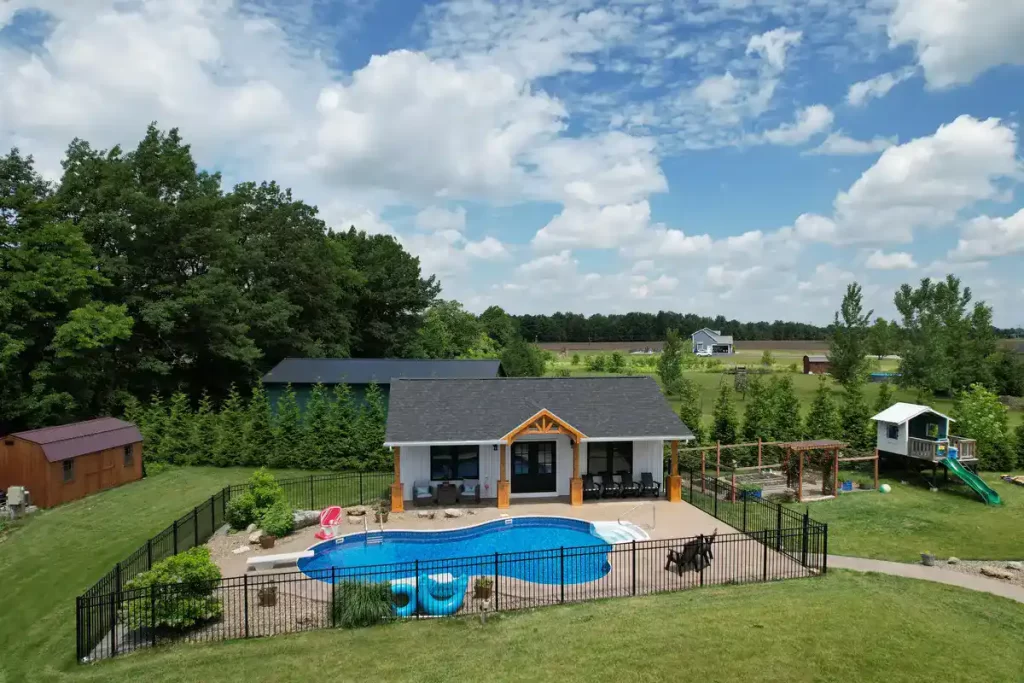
(408, 590)
(441, 599)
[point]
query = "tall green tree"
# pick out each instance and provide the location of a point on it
(229, 447)
(370, 426)
(499, 325)
(724, 425)
(152, 425)
(884, 399)
(202, 433)
(315, 432)
(669, 363)
(823, 418)
(690, 408)
(448, 331)
(177, 434)
(882, 338)
(757, 417)
(856, 417)
(260, 439)
(980, 416)
(848, 347)
(340, 449)
(523, 359)
(786, 422)
(288, 432)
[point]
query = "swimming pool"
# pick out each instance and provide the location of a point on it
(544, 550)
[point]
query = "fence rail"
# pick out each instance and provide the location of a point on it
(264, 605)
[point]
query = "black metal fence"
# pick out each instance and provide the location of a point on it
(197, 526)
(263, 605)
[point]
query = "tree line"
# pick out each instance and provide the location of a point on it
(335, 432)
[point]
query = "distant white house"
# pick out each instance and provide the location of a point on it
(705, 340)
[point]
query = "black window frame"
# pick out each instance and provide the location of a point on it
(889, 432)
(448, 459)
(129, 455)
(69, 470)
(608, 451)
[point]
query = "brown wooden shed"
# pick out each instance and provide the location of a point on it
(64, 463)
(816, 365)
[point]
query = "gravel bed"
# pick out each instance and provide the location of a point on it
(974, 567)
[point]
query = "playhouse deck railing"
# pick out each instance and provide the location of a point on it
(927, 449)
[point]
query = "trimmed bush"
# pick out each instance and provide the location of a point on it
(241, 511)
(277, 520)
(362, 604)
(183, 588)
(265, 502)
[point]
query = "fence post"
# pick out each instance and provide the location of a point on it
(224, 495)
(152, 616)
(78, 628)
(416, 569)
(716, 502)
(634, 565)
(195, 526)
(765, 575)
(691, 485)
(360, 487)
(334, 618)
(824, 550)
(149, 554)
(113, 624)
(778, 526)
(803, 549)
(175, 537)
(561, 574)
(213, 516)
(495, 582)
(310, 492)
(245, 601)
(744, 496)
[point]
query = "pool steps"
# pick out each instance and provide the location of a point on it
(620, 532)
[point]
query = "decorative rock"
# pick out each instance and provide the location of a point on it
(470, 511)
(357, 510)
(953, 560)
(304, 518)
(996, 573)
(241, 549)
(1015, 566)
(251, 528)
(452, 512)
(353, 519)
(255, 536)
(425, 514)
(30, 509)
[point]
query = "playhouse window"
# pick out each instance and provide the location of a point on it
(129, 456)
(892, 431)
(69, 471)
(931, 430)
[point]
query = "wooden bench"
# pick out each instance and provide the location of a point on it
(262, 563)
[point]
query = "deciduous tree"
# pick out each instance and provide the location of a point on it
(724, 425)
(848, 346)
(669, 363)
(980, 416)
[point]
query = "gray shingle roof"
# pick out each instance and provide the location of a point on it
(379, 370)
(487, 409)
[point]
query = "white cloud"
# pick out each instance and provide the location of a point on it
(597, 228)
(877, 87)
(662, 242)
(956, 40)
(436, 218)
(897, 260)
(809, 122)
(546, 265)
(719, 91)
(838, 144)
(487, 249)
(772, 46)
(826, 279)
(985, 238)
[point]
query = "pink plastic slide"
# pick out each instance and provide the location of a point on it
(329, 519)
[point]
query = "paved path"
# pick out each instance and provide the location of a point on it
(937, 574)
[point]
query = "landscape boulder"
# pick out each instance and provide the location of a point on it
(251, 528)
(304, 518)
(425, 514)
(953, 560)
(1015, 566)
(357, 510)
(255, 536)
(452, 512)
(241, 549)
(996, 573)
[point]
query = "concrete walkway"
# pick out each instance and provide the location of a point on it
(937, 574)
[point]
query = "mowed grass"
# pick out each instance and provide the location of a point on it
(841, 627)
(911, 520)
(56, 554)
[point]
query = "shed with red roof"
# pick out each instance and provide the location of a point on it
(63, 463)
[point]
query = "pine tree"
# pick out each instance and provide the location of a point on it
(884, 399)
(786, 422)
(259, 430)
(856, 417)
(824, 420)
(849, 344)
(669, 363)
(1019, 437)
(370, 427)
(202, 433)
(174, 446)
(314, 429)
(287, 432)
(690, 408)
(757, 418)
(340, 446)
(229, 431)
(724, 424)
(152, 425)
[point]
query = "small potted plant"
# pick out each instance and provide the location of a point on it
(267, 541)
(927, 559)
(381, 511)
(482, 588)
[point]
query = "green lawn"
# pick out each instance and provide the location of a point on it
(842, 627)
(911, 520)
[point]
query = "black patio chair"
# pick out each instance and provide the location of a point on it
(610, 488)
(591, 488)
(648, 485)
(630, 487)
(696, 554)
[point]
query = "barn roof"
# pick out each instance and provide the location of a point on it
(378, 370)
(898, 413)
(79, 438)
(817, 359)
(475, 410)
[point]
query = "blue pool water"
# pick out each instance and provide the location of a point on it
(528, 548)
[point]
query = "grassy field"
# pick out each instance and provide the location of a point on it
(950, 522)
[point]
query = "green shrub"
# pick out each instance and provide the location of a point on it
(241, 511)
(596, 362)
(362, 604)
(563, 372)
(277, 520)
(617, 362)
(182, 588)
(265, 489)
(575, 359)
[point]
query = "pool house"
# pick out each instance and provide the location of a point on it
(502, 439)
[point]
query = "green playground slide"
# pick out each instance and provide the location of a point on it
(972, 480)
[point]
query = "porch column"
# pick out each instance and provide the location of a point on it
(504, 487)
(675, 482)
(576, 484)
(397, 498)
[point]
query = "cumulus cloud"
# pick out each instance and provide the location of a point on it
(839, 144)
(897, 260)
(985, 238)
(956, 40)
(876, 88)
(436, 218)
(594, 227)
(809, 122)
(773, 45)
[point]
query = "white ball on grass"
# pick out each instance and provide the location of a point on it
(885, 488)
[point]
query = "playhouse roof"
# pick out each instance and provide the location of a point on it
(79, 438)
(898, 413)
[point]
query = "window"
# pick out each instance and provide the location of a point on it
(454, 462)
(610, 457)
(129, 456)
(931, 430)
(69, 471)
(892, 432)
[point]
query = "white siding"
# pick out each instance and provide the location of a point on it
(899, 445)
(648, 456)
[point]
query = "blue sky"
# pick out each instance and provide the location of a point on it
(739, 157)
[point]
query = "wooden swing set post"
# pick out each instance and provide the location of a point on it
(759, 444)
(718, 460)
(703, 457)
(734, 486)
(876, 469)
(800, 479)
